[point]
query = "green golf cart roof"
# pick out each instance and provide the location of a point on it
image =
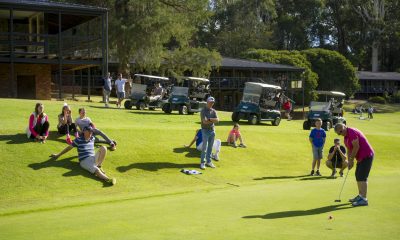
(152, 76)
(263, 85)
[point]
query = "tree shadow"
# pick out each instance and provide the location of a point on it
(230, 123)
(314, 178)
(155, 166)
(148, 112)
(190, 152)
(280, 177)
(299, 213)
(18, 138)
(66, 163)
(104, 107)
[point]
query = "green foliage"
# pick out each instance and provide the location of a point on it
(292, 58)
(334, 71)
(377, 99)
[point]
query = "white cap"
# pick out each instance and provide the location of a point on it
(210, 99)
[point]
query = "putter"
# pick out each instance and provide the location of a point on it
(341, 190)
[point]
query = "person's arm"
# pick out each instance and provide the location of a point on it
(193, 141)
(204, 119)
(342, 154)
(332, 153)
(65, 150)
(215, 119)
(310, 138)
(353, 152)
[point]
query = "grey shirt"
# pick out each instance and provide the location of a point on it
(207, 113)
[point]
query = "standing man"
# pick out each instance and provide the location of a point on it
(120, 86)
(337, 158)
(88, 160)
(107, 89)
(359, 148)
(208, 117)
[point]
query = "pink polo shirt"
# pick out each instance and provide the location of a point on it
(365, 149)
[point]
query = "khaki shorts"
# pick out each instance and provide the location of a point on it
(89, 163)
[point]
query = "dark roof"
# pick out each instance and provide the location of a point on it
(49, 5)
(249, 64)
(364, 75)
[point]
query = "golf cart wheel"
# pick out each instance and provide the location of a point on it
(306, 125)
(152, 108)
(167, 108)
(326, 126)
(235, 117)
(140, 105)
(127, 104)
(183, 110)
(253, 119)
(276, 121)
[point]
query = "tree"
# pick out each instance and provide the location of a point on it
(334, 71)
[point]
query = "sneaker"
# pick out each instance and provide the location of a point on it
(210, 164)
(360, 202)
(234, 145)
(113, 181)
(356, 199)
(333, 173)
(341, 173)
(202, 166)
(317, 173)
(242, 145)
(215, 157)
(312, 173)
(112, 147)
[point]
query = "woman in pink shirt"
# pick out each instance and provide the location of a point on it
(38, 127)
(358, 148)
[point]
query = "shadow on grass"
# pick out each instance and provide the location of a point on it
(299, 213)
(244, 122)
(280, 177)
(73, 167)
(155, 166)
(147, 112)
(111, 107)
(314, 178)
(190, 152)
(18, 138)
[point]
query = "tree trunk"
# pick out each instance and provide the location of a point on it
(374, 60)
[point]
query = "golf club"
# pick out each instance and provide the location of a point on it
(341, 190)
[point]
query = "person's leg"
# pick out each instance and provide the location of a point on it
(362, 189)
(217, 146)
(72, 127)
(104, 136)
(210, 144)
(101, 156)
(62, 129)
(230, 138)
(205, 135)
(329, 164)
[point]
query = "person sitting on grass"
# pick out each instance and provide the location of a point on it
(235, 135)
(317, 140)
(198, 138)
(38, 128)
(88, 159)
(65, 123)
(337, 158)
(83, 121)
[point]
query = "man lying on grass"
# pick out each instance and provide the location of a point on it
(87, 158)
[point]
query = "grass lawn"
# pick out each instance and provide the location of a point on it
(260, 192)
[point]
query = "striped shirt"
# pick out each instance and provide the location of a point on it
(85, 148)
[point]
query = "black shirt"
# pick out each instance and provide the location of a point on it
(337, 156)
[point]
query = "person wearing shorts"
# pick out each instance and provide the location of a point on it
(358, 148)
(120, 87)
(337, 158)
(317, 140)
(88, 159)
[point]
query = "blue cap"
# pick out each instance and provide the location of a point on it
(210, 99)
(88, 128)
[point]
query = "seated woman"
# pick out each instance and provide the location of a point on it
(65, 124)
(234, 135)
(38, 128)
(198, 138)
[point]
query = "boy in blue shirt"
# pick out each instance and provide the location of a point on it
(317, 139)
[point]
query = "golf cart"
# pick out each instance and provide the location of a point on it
(142, 93)
(190, 97)
(258, 104)
(328, 108)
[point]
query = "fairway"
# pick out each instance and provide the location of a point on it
(259, 192)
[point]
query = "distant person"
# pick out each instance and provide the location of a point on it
(337, 158)
(198, 139)
(107, 87)
(120, 87)
(38, 126)
(370, 110)
(83, 121)
(235, 135)
(65, 122)
(358, 148)
(88, 159)
(287, 106)
(317, 139)
(208, 118)
(157, 93)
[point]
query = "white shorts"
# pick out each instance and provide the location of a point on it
(89, 163)
(216, 146)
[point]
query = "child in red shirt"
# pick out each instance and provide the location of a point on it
(234, 135)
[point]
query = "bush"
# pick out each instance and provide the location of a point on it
(395, 98)
(377, 99)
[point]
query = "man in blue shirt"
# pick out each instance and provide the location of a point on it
(317, 139)
(88, 159)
